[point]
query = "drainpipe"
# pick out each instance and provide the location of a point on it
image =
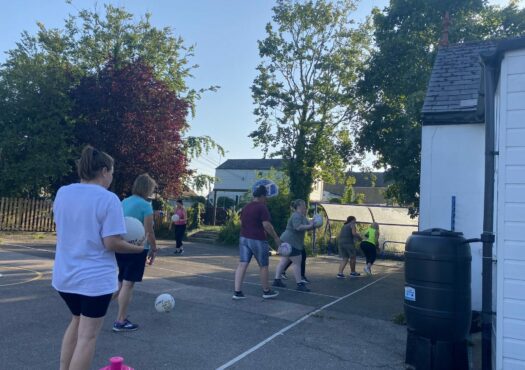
(487, 237)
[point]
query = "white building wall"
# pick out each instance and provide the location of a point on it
(234, 179)
(317, 192)
(452, 164)
(244, 179)
(510, 214)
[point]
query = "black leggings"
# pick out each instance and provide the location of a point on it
(303, 263)
(179, 234)
(370, 251)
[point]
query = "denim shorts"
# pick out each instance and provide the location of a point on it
(256, 248)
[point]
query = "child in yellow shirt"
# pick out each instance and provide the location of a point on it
(369, 245)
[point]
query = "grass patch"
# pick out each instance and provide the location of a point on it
(39, 236)
(399, 319)
(203, 228)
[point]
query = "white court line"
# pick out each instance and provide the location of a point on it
(38, 275)
(284, 330)
(246, 282)
(188, 273)
(25, 246)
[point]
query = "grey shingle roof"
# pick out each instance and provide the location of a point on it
(456, 77)
(251, 164)
(362, 180)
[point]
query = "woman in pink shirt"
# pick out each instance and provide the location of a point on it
(178, 221)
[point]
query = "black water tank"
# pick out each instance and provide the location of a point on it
(437, 285)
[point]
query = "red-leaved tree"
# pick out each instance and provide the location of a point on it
(128, 113)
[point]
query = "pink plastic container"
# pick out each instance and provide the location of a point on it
(116, 363)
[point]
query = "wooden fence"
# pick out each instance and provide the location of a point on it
(18, 214)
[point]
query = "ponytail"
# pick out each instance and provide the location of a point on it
(92, 161)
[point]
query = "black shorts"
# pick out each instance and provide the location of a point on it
(131, 266)
(93, 307)
(296, 252)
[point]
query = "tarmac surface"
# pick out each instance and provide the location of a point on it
(340, 324)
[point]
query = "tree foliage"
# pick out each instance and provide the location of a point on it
(406, 34)
(129, 113)
(304, 91)
(34, 120)
(39, 83)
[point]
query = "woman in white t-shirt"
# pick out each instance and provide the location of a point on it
(89, 224)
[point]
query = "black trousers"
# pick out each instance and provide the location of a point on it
(370, 251)
(179, 235)
(303, 263)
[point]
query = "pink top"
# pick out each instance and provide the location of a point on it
(181, 212)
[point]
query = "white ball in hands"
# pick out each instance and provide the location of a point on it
(317, 220)
(135, 233)
(285, 249)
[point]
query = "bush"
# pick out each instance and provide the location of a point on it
(162, 231)
(280, 211)
(230, 231)
(194, 216)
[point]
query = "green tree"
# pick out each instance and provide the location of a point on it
(36, 127)
(37, 150)
(90, 39)
(393, 88)
(348, 194)
(129, 113)
(304, 91)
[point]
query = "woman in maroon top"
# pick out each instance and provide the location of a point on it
(255, 225)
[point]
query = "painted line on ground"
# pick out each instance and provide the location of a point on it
(198, 275)
(37, 277)
(246, 282)
(25, 246)
(292, 325)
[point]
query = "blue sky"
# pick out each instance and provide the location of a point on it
(225, 33)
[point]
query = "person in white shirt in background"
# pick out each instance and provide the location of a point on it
(89, 224)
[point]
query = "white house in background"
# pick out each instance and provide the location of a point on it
(477, 89)
(235, 177)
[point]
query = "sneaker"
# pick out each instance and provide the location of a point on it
(270, 294)
(302, 287)
(124, 326)
(367, 270)
(238, 295)
(341, 276)
(278, 283)
(283, 276)
(355, 274)
(305, 280)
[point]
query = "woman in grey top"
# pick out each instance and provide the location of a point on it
(294, 235)
(347, 250)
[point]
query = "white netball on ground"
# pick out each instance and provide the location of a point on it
(135, 230)
(285, 249)
(164, 303)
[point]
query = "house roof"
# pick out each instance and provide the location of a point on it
(362, 180)
(251, 164)
(454, 90)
